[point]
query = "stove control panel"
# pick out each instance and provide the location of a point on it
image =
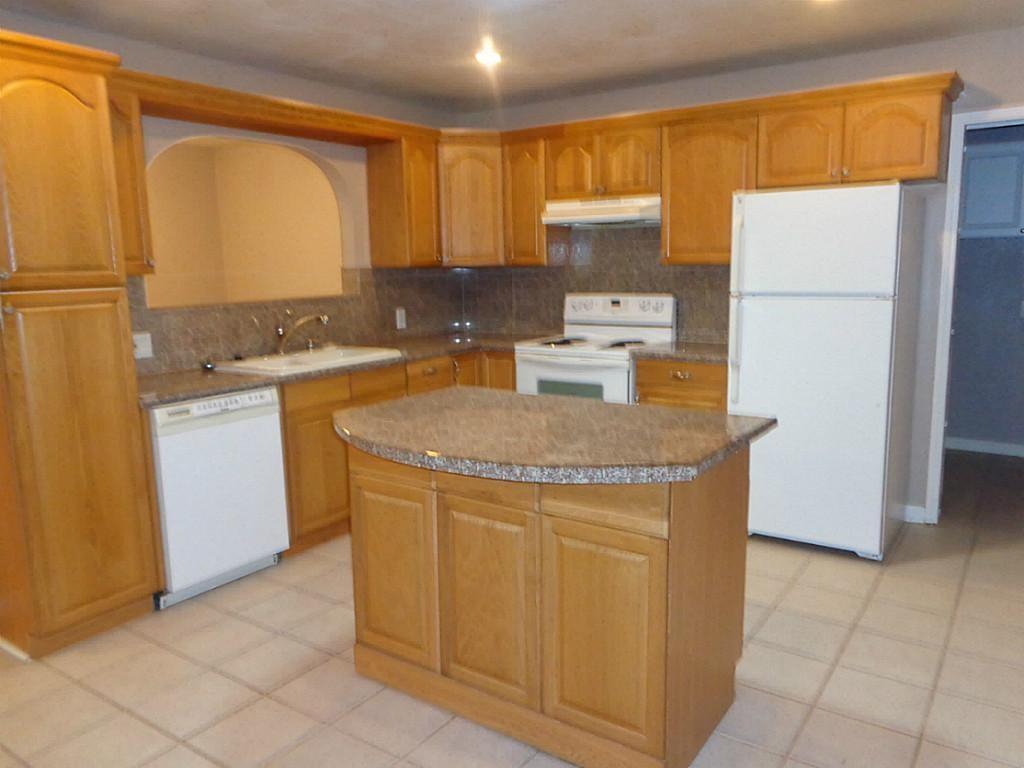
(650, 309)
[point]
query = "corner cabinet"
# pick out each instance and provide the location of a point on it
(703, 164)
(82, 496)
(401, 181)
(471, 201)
(58, 184)
(523, 203)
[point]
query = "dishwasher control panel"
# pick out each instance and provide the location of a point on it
(213, 406)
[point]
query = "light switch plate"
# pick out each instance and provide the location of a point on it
(143, 345)
(400, 318)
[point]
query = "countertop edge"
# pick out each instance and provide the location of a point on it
(625, 474)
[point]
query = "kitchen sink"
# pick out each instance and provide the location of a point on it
(322, 359)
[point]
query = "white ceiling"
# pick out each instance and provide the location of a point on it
(422, 50)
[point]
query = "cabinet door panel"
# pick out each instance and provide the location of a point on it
(525, 242)
(421, 201)
(130, 167)
(894, 138)
(604, 605)
(689, 385)
(59, 220)
(471, 204)
(802, 146)
(501, 370)
(630, 162)
(317, 472)
(394, 569)
(468, 369)
(704, 163)
(490, 621)
(78, 442)
(571, 165)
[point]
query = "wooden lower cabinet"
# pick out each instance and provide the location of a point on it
(316, 458)
(468, 369)
(688, 385)
(430, 374)
(489, 563)
(500, 370)
(78, 527)
(604, 631)
(394, 567)
(560, 615)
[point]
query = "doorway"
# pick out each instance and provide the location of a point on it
(978, 402)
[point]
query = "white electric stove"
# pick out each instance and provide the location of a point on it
(592, 357)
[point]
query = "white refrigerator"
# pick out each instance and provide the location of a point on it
(822, 336)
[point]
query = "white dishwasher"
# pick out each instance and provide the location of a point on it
(221, 489)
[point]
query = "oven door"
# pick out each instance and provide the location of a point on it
(608, 380)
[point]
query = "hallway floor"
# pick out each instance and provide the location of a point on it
(917, 663)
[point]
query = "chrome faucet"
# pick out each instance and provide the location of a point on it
(283, 335)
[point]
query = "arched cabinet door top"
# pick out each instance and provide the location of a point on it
(60, 219)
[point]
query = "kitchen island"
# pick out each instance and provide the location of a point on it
(566, 571)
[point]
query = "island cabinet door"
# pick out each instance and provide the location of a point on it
(604, 604)
(394, 568)
(490, 606)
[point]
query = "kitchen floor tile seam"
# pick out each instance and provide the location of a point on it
(850, 630)
(774, 605)
(240, 615)
(945, 646)
(306, 591)
(959, 751)
(335, 723)
(752, 745)
(989, 623)
(71, 735)
(987, 702)
(5, 752)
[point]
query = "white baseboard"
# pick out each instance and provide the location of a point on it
(916, 514)
(984, 446)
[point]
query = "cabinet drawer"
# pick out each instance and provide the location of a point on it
(430, 374)
(316, 392)
(692, 385)
(378, 384)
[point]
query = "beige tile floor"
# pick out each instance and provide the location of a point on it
(915, 664)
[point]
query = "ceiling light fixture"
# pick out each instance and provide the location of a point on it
(488, 54)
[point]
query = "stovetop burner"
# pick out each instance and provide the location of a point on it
(564, 342)
(627, 343)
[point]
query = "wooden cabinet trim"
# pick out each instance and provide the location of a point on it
(633, 508)
(691, 385)
(130, 167)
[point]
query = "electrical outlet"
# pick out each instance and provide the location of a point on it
(400, 318)
(143, 345)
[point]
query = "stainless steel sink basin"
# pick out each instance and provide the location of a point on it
(323, 359)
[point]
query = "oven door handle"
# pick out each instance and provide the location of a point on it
(573, 363)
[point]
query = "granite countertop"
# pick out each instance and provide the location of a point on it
(684, 351)
(546, 438)
(166, 388)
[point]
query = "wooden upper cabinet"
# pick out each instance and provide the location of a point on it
(703, 165)
(394, 567)
(79, 454)
(401, 181)
(523, 176)
(800, 146)
(629, 161)
(604, 608)
(58, 191)
(471, 202)
(130, 168)
(895, 137)
(571, 167)
(489, 568)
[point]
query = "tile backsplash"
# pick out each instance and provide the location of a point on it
(500, 300)
(527, 300)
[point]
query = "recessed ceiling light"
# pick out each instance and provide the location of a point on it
(488, 55)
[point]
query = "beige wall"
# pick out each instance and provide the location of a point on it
(990, 63)
(241, 221)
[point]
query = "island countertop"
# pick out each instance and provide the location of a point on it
(555, 439)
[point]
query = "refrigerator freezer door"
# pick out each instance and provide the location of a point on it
(822, 368)
(840, 241)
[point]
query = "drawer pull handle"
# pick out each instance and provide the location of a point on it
(429, 370)
(682, 375)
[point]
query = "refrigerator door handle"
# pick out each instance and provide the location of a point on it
(736, 274)
(735, 344)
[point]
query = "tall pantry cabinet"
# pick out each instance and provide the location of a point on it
(79, 552)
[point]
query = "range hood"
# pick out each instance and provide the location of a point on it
(637, 211)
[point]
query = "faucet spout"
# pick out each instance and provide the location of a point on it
(285, 335)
